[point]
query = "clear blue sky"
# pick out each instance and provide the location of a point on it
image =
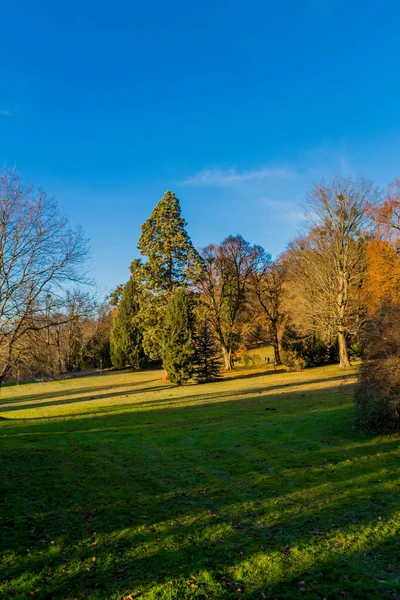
(236, 106)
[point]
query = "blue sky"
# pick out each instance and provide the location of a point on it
(236, 106)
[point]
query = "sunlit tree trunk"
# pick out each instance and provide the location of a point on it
(277, 355)
(228, 358)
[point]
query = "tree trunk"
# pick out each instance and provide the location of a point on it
(343, 353)
(342, 304)
(228, 360)
(277, 356)
(275, 345)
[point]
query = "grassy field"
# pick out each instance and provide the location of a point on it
(256, 487)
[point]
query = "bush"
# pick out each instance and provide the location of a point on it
(246, 359)
(377, 396)
(243, 357)
(312, 349)
(355, 350)
(256, 360)
(293, 361)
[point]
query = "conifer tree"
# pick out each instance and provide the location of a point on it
(208, 362)
(171, 261)
(167, 246)
(126, 336)
(178, 348)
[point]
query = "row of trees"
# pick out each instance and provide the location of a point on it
(49, 322)
(312, 303)
(378, 392)
(333, 294)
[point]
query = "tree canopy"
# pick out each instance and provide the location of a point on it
(178, 344)
(126, 336)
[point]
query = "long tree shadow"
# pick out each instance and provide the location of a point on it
(61, 393)
(238, 375)
(171, 494)
(87, 398)
(195, 398)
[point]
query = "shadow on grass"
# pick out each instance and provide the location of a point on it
(87, 398)
(194, 397)
(236, 373)
(61, 393)
(225, 488)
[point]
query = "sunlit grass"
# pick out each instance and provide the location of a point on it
(258, 486)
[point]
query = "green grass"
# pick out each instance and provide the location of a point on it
(254, 487)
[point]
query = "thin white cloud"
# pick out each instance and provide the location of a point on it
(285, 210)
(344, 164)
(5, 113)
(230, 177)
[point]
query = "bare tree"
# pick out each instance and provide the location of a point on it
(387, 215)
(339, 220)
(40, 257)
(224, 288)
(268, 286)
(310, 291)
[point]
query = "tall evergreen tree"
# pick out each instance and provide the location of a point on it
(178, 348)
(171, 260)
(167, 246)
(126, 339)
(208, 362)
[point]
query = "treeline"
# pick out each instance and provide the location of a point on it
(333, 295)
(50, 320)
(314, 304)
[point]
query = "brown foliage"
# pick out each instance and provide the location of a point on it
(378, 393)
(387, 214)
(223, 287)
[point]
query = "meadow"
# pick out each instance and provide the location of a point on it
(258, 486)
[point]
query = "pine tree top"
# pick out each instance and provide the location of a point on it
(167, 245)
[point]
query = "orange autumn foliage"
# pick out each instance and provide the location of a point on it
(382, 283)
(383, 274)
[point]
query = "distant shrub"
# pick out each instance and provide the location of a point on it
(293, 361)
(311, 349)
(377, 395)
(244, 358)
(248, 360)
(256, 359)
(355, 350)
